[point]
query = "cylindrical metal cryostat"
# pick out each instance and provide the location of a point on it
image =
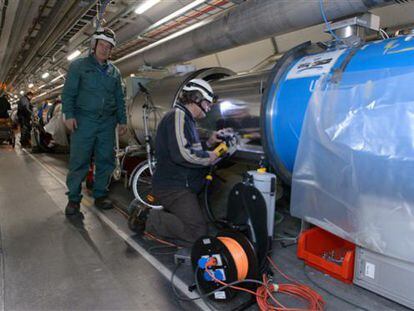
(293, 79)
(164, 93)
(238, 108)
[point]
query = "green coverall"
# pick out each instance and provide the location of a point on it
(93, 95)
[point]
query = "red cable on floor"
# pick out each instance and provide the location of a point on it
(265, 294)
(152, 237)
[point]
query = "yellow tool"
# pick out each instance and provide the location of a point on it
(221, 149)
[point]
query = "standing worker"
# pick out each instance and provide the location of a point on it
(4, 107)
(182, 164)
(24, 115)
(93, 104)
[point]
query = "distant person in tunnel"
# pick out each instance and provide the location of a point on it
(182, 164)
(93, 105)
(4, 107)
(24, 115)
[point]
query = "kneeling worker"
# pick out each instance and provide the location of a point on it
(182, 164)
(93, 104)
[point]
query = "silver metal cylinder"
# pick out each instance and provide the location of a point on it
(164, 93)
(238, 107)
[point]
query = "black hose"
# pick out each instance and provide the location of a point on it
(218, 223)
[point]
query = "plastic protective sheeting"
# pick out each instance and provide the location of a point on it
(354, 170)
(56, 127)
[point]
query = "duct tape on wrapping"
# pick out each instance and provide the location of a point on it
(354, 170)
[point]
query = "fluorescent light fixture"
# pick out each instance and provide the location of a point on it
(57, 78)
(177, 13)
(132, 75)
(21, 92)
(45, 75)
(30, 85)
(41, 87)
(74, 55)
(50, 91)
(145, 6)
(56, 88)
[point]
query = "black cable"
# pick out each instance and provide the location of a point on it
(210, 214)
(170, 250)
(199, 291)
(219, 224)
(331, 293)
(198, 287)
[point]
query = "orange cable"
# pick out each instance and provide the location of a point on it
(264, 294)
(239, 256)
(149, 235)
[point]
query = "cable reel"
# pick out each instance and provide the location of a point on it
(227, 257)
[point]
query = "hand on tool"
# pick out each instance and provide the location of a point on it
(214, 139)
(218, 136)
(227, 147)
(213, 157)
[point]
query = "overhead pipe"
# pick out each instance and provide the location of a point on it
(61, 18)
(3, 7)
(6, 34)
(27, 12)
(162, 10)
(132, 30)
(72, 17)
(251, 21)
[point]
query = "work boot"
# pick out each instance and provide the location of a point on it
(72, 208)
(137, 219)
(103, 203)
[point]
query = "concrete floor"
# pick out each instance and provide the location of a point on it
(51, 263)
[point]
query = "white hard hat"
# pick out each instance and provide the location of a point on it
(105, 34)
(203, 87)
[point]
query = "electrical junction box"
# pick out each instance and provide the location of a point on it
(132, 86)
(386, 276)
(367, 20)
(266, 184)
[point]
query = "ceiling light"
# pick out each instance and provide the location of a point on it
(15, 96)
(145, 6)
(21, 92)
(132, 75)
(45, 75)
(74, 55)
(177, 13)
(30, 85)
(42, 86)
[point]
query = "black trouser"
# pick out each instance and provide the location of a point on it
(181, 219)
(25, 129)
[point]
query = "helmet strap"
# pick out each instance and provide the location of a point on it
(201, 107)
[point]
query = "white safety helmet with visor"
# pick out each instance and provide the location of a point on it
(105, 34)
(203, 87)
